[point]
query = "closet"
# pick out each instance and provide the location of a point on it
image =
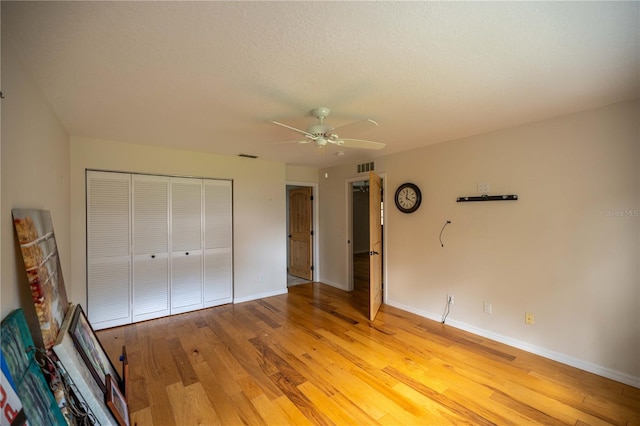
(156, 246)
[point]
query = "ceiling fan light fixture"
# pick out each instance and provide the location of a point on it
(322, 134)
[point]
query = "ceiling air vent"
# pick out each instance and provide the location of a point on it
(366, 167)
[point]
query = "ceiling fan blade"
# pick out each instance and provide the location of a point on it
(293, 128)
(298, 141)
(359, 143)
(364, 123)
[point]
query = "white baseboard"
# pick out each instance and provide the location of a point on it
(546, 353)
(334, 284)
(259, 296)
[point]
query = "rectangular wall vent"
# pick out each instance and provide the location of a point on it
(247, 156)
(366, 167)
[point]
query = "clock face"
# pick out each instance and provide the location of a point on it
(408, 198)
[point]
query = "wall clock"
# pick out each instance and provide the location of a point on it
(408, 198)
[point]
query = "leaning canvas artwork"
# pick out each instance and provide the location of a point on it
(17, 350)
(42, 263)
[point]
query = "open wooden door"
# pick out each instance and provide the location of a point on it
(300, 232)
(375, 245)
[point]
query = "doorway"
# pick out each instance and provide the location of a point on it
(302, 225)
(365, 254)
(360, 239)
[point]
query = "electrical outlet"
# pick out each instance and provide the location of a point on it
(487, 307)
(529, 318)
(450, 299)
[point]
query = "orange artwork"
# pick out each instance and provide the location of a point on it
(34, 229)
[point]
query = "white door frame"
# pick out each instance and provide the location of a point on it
(349, 219)
(316, 226)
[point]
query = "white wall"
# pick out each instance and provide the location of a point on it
(560, 251)
(258, 207)
(302, 174)
(35, 174)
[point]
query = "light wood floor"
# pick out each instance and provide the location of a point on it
(312, 357)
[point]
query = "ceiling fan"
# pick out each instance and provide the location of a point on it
(322, 134)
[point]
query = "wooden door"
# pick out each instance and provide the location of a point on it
(375, 245)
(300, 232)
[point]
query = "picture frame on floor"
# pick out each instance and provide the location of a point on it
(91, 350)
(116, 402)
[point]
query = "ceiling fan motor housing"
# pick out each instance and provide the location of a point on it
(319, 129)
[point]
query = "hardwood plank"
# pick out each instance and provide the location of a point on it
(312, 357)
(247, 411)
(440, 398)
(190, 405)
(161, 409)
(293, 412)
(270, 411)
(141, 417)
(218, 395)
(330, 408)
(137, 396)
(181, 360)
(552, 408)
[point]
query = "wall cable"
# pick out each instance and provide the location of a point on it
(441, 231)
(447, 309)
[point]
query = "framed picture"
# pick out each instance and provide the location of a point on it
(116, 402)
(77, 372)
(91, 350)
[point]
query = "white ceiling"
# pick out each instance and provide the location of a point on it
(207, 76)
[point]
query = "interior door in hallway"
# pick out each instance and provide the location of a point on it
(300, 232)
(375, 244)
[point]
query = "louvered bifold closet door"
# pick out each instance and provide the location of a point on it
(218, 254)
(108, 249)
(186, 245)
(150, 247)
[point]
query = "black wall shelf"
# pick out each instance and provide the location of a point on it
(511, 197)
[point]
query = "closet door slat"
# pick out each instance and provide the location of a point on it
(218, 237)
(108, 249)
(186, 245)
(150, 247)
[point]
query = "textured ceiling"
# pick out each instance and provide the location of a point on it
(207, 76)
